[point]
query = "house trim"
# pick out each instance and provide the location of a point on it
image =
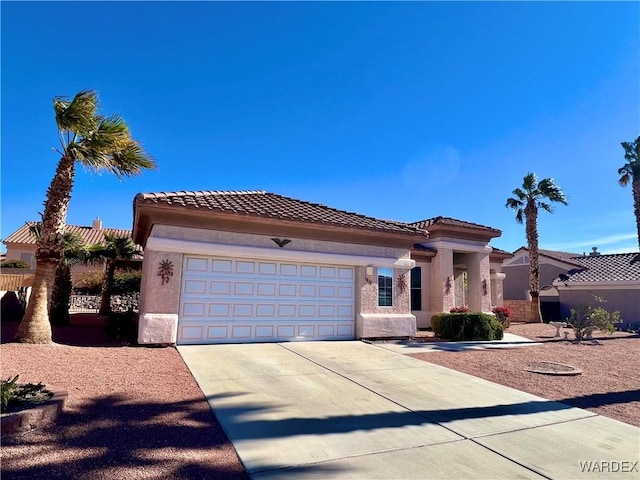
(302, 256)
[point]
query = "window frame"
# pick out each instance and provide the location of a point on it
(416, 290)
(385, 286)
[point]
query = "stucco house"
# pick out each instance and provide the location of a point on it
(569, 280)
(21, 244)
(252, 266)
(615, 278)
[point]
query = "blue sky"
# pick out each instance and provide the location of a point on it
(402, 111)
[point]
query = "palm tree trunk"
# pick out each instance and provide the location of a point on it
(35, 326)
(48, 253)
(107, 288)
(531, 215)
(635, 188)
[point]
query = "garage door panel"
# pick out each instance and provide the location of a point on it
(245, 300)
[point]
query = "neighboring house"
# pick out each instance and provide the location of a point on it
(21, 245)
(615, 278)
(569, 280)
(252, 266)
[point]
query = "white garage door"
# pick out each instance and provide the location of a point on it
(225, 300)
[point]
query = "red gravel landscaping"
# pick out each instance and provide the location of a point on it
(137, 413)
(609, 384)
(132, 412)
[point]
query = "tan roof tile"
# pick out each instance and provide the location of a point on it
(88, 234)
(451, 222)
(258, 203)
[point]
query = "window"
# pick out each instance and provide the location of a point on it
(385, 287)
(416, 288)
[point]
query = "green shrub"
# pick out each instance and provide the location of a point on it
(127, 281)
(15, 264)
(466, 326)
(13, 393)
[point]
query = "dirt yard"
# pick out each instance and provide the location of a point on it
(609, 384)
(132, 412)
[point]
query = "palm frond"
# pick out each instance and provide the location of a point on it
(518, 192)
(514, 203)
(529, 182)
(78, 115)
(550, 190)
(625, 177)
(545, 206)
(520, 216)
(130, 161)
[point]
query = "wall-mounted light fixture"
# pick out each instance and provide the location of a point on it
(484, 286)
(368, 272)
(447, 286)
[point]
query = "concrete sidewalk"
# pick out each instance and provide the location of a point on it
(354, 410)
(407, 347)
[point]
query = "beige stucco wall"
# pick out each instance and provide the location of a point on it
(232, 238)
(371, 320)
(14, 252)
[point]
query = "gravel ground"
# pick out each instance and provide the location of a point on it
(137, 413)
(132, 413)
(609, 384)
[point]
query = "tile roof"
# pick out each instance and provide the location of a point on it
(88, 234)
(499, 251)
(452, 222)
(606, 268)
(562, 256)
(565, 257)
(258, 203)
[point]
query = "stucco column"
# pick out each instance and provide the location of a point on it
(478, 278)
(442, 281)
(497, 295)
(159, 297)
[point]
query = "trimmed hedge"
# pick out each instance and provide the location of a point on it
(466, 326)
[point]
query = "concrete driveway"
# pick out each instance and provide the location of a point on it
(354, 410)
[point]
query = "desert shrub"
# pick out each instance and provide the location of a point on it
(89, 283)
(503, 314)
(467, 326)
(13, 393)
(123, 327)
(586, 319)
(127, 281)
(124, 281)
(15, 264)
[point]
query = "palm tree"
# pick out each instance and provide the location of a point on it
(99, 143)
(114, 249)
(74, 252)
(526, 202)
(630, 172)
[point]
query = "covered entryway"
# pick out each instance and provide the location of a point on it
(229, 300)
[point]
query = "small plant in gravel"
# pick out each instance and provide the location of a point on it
(14, 393)
(586, 319)
(503, 314)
